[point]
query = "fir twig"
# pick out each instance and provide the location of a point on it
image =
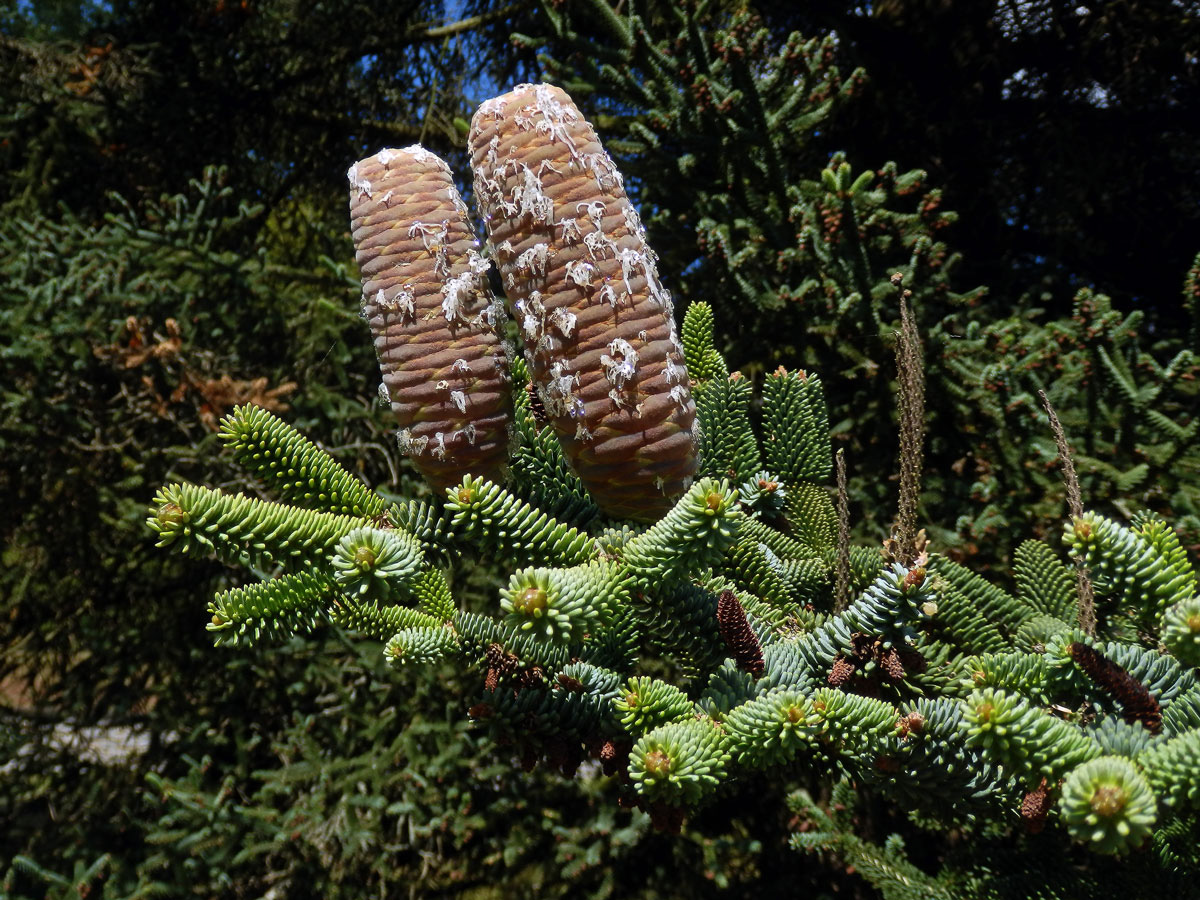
(1087, 597)
(841, 596)
(910, 378)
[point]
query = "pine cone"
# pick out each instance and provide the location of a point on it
(598, 327)
(436, 325)
(1137, 703)
(739, 637)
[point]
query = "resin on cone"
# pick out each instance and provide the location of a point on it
(598, 327)
(436, 324)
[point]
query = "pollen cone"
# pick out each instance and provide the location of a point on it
(435, 322)
(598, 327)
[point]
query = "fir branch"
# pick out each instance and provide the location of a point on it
(1171, 769)
(1043, 581)
(376, 621)
(694, 535)
(679, 763)
(563, 605)
(1108, 803)
(772, 729)
(420, 645)
(704, 363)
(811, 517)
(239, 529)
(645, 703)
(539, 470)
(480, 632)
(796, 427)
(374, 562)
(274, 610)
(432, 593)
(512, 529)
(1022, 739)
(1135, 571)
(293, 467)
(1181, 631)
(727, 445)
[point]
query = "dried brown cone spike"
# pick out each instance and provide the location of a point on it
(841, 672)
(614, 755)
(890, 664)
(1137, 703)
(739, 637)
(500, 664)
(1035, 806)
(598, 328)
(435, 322)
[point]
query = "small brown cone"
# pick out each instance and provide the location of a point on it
(1137, 703)
(739, 637)
(841, 672)
(435, 322)
(599, 329)
(1035, 806)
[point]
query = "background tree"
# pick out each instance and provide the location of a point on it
(1065, 133)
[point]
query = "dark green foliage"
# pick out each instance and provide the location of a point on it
(886, 867)
(1044, 582)
(683, 623)
(993, 603)
(1126, 401)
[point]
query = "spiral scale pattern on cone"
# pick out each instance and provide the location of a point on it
(598, 328)
(435, 321)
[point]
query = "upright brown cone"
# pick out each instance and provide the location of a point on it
(598, 327)
(435, 321)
